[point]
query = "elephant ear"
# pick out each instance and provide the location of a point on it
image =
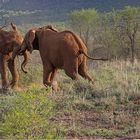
(14, 27)
(28, 41)
(31, 36)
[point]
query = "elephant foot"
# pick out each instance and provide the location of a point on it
(5, 85)
(4, 91)
(92, 82)
(5, 88)
(14, 86)
(55, 86)
(17, 88)
(12, 83)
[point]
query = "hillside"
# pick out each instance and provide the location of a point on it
(103, 5)
(58, 10)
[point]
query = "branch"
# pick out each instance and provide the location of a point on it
(135, 30)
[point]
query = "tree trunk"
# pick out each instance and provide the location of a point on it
(87, 36)
(132, 50)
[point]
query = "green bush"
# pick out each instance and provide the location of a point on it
(27, 115)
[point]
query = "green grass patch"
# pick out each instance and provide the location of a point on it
(26, 115)
(108, 109)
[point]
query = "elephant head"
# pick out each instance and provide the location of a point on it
(10, 40)
(25, 48)
(31, 38)
(30, 43)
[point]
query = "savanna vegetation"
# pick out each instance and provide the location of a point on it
(108, 109)
(115, 33)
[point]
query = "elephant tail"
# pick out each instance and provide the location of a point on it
(81, 47)
(82, 52)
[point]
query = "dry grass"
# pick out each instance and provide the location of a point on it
(108, 109)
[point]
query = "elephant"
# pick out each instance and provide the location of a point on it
(58, 50)
(10, 41)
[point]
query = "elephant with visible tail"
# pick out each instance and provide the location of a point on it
(58, 50)
(10, 41)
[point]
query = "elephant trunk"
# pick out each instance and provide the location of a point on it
(23, 49)
(25, 61)
(15, 52)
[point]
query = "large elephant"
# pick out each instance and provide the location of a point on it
(10, 41)
(58, 50)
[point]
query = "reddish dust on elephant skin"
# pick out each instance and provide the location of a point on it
(10, 41)
(58, 50)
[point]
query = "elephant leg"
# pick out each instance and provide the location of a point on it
(72, 74)
(14, 73)
(47, 71)
(71, 69)
(55, 86)
(3, 71)
(53, 74)
(82, 70)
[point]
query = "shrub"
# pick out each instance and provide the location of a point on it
(28, 115)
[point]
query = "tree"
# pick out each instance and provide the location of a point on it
(128, 23)
(82, 22)
(106, 35)
(117, 30)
